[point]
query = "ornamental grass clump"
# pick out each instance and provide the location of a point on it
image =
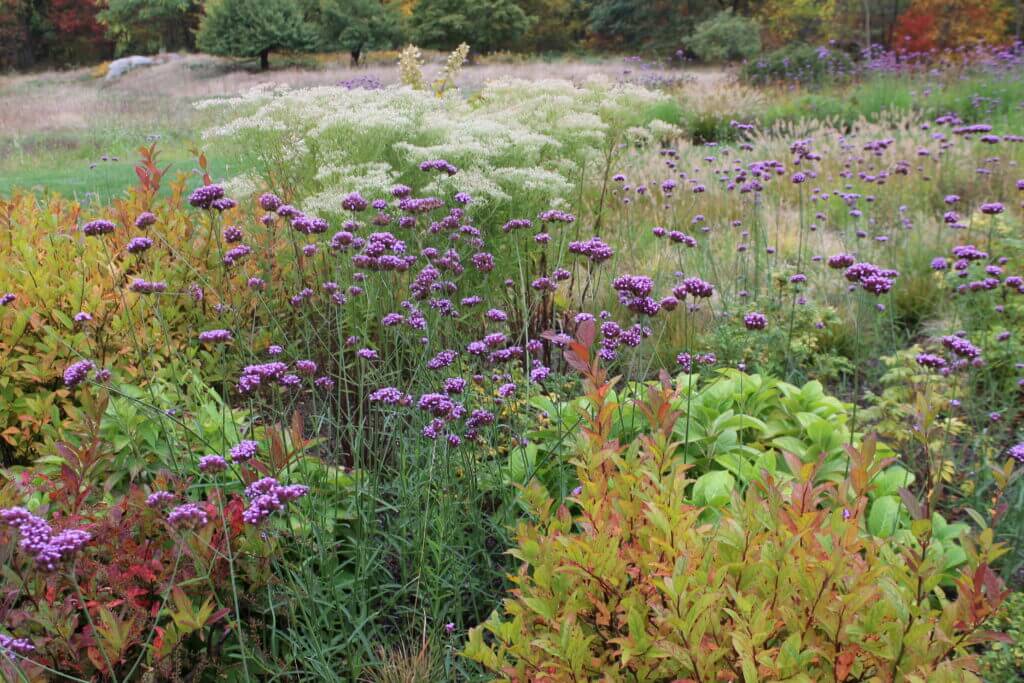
(626, 579)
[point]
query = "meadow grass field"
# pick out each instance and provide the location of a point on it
(518, 370)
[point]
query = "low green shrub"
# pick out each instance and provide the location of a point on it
(627, 580)
(733, 429)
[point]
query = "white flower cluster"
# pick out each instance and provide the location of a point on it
(515, 140)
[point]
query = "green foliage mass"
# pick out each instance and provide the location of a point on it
(254, 28)
(486, 25)
(150, 25)
(726, 37)
(647, 23)
(559, 25)
(359, 25)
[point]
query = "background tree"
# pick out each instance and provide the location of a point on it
(359, 25)
(929, 24)
(150, 25)
(487, 25)
(558, 26)
(15, 34)
(796, 21)
(254, 28)
(649, 24)
(865, 22)
(725, 37)
(76, 36)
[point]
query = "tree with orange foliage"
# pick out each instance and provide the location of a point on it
(930, 24)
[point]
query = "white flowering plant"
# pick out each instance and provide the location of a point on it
(516, 143)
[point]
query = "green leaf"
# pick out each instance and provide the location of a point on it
(889, 482)
(714, 488)
(522, 463)
(884, 516)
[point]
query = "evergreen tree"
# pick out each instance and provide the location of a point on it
(649, 23)
(558, 25)
(254, 28)
(486, 25)
(359, 25)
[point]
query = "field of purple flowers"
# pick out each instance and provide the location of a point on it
(287, 425)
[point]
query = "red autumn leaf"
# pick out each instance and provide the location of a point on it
(585, 332)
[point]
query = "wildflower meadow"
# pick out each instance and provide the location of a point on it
(644, 373)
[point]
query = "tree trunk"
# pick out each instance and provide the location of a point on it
(867, 25)
(355, 54)
(264, 60)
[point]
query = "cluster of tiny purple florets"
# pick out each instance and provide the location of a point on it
(267, 496)
(38, 539)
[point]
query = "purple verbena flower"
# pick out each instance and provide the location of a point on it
(77, 372)
(215, 336)
(755, 321)
(188, 516)
(99, 226)
(244, 451)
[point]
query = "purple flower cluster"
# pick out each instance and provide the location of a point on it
(232, 234)
(755, 321)
(555, 216)
(594, 249)
(205, 196)
(383, 251)
(159, 499)
(141, 286)
(930, 360)
(144, 220)
(439, 165)
(412, 205)
(267, 496)
(38, 539)
(438, 405)
(212, 463)
(695, 287)
(98, 227)
(614, 336)
(841, 260)
(961, 347)
(389, 396)
(215, 336)
(188, 516)
(442, 360)
(686, 360)
(872, 278)
(13, 647)
(137, 245)
(255, 376)
(517, 224)
(244, 451)
(634, 293)
(76, 373)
